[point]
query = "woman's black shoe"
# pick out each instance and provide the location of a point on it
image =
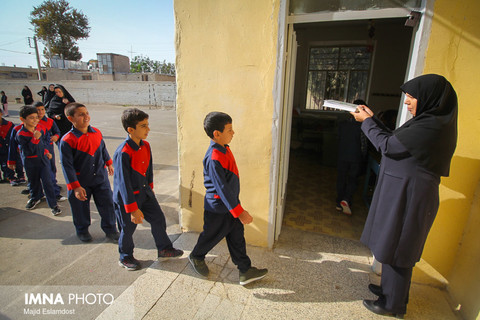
(375, 307)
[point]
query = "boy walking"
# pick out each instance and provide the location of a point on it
(224, 217)
(53, 133)
(35, 158)
(84, 157)
(133, 191)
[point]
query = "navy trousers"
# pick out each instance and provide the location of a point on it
(153, 214)
(215, 228)
(39, 177)
(395, 287)
(347, 180)
(102, 196)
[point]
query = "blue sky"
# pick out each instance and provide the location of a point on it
(145, 27)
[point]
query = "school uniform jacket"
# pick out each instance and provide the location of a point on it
(32, 150)
(221, 180)
(84, 158)
(133, 177)
(52, 130)
(6, 128)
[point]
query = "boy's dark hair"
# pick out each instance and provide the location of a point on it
(215, 121)
(71, 107)
(25, 111)
(131, 117)
(38, 104)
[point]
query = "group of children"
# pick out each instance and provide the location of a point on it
(86, 165)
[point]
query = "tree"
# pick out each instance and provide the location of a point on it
(144, 64)
(59, 26)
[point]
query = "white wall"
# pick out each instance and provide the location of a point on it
(141, 93)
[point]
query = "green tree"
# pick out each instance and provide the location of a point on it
(59, 27)
(145, 64)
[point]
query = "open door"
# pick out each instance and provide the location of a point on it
(291, 58)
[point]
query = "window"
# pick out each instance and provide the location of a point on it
(339, 73)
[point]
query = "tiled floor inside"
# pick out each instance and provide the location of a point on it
(311, 193)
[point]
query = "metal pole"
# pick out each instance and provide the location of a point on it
(38, 59)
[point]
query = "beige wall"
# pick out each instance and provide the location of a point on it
(226, 58)
(453, 244)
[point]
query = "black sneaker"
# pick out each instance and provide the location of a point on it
(252, 274)
(85, 236)
(113, 236)
(31, 204)
(56, 211)
(25, 191)
(171, 253)
(199, 266)
(129, 263)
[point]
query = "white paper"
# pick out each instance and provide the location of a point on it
(340, 105)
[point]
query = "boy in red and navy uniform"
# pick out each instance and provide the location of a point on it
(84, 156)
(35, 158)
(6, 128)
(15, 161)
(53, 134)
(133, 191)
(223, 217)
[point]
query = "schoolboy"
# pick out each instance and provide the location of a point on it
(133, 194)
(6, 128)
(84, 156)
(53, 134)
(224, 216)
(35, 158)
(15, 162)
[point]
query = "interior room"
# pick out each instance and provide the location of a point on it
(346, 61)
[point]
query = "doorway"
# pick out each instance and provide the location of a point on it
(344, 60)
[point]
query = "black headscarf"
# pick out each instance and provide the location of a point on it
(431, 135)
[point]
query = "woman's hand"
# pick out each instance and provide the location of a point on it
(65, 100)
(362, 113)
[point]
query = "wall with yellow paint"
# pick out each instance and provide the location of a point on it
(453, 51)
(226, 59)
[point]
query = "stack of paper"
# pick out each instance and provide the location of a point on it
(340, 105)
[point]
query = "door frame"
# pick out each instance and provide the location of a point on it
(281, 128)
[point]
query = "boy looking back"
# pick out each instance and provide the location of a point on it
(84, 157)
(224, 217)
(133, 191)
(35, 158)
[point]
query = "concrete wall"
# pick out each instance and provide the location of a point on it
(453, 244)
(162, 93)
(226, 59)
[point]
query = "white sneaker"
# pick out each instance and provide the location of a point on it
(345, 207)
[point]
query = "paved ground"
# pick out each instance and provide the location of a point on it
(312, 276)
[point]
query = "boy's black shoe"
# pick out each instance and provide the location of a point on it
(252, 274)
(31, 204)
(171, 253)
(199, 266)
(56, 211)
(25, 191)
(85, 236)
(113, 236)
(129, 263)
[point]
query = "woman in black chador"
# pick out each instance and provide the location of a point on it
(56, 107)
(49, 94)
(27, 96)
(406, 199)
